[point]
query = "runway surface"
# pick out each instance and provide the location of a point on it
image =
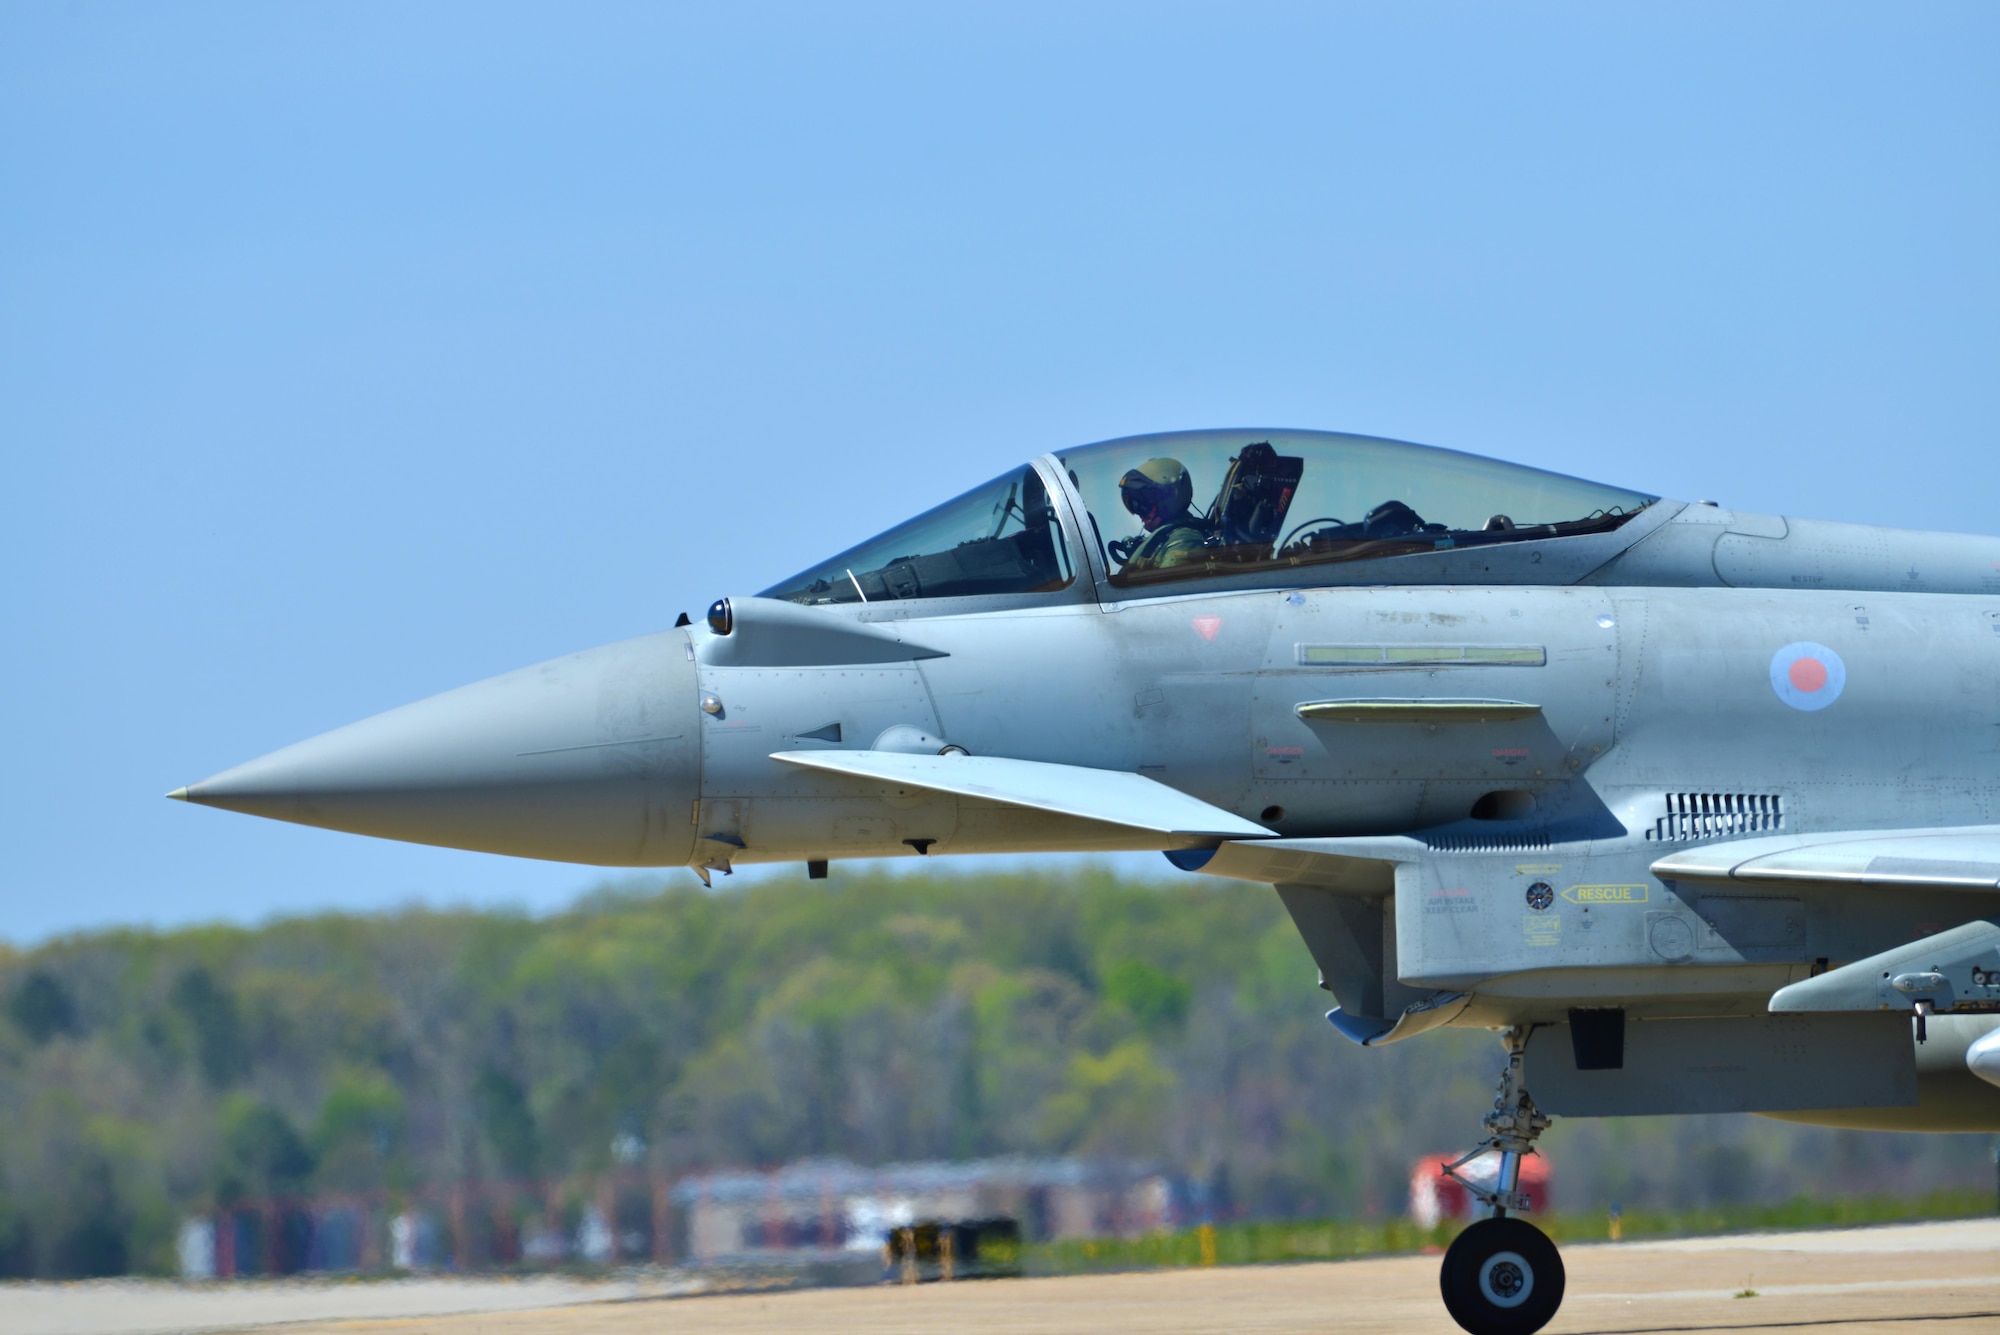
(1921, 1279)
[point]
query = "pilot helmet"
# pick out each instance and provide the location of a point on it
(1156, 487)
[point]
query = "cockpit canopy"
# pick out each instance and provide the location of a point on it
(1004, 537)
(1270, 499)
(1188, 505)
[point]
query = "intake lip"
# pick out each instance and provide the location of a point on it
(592, 758)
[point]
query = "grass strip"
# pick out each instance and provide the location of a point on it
(1335, 1240)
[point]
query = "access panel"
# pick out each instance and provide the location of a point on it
(1776, 1063)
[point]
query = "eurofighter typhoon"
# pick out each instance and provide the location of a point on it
(1698, 810)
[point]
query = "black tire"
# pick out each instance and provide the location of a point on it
(1502, 1277)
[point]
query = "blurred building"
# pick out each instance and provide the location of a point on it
(813, 1209)
(827, 1206)
(1435, 1197)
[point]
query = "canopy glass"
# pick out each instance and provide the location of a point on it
(1205, 503)
(1002, 537)
(1194, 504)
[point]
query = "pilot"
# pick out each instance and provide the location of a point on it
(1159, 492)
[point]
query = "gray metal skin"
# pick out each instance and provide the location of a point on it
(1647, 728)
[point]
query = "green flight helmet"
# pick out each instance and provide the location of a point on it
(1157, 487)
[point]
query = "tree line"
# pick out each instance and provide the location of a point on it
(875, 1015)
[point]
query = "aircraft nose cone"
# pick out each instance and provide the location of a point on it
(591, 758)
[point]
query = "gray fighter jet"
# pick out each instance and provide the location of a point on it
(1699, 810)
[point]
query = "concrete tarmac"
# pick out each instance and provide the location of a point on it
(1920, 1279)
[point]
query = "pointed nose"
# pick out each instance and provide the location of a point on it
(592, 758)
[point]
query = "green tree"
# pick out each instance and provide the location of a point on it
(263, 1152)
(221, 1045)
(355, 1136)
(506, 1121)
(1115, 1103)
(1154, 997)
(43, 1007)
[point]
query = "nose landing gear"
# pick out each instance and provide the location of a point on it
(1503, 1276)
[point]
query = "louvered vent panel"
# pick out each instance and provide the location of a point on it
(1527, 842)
(1712, 815)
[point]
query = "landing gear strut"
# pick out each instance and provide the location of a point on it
(1503, 1276)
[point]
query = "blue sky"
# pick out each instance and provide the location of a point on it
(351, 352)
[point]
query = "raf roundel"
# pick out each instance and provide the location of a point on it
(1807, 676)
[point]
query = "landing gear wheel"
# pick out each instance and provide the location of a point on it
(1502, 1277)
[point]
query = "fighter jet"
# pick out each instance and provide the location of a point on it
(1698, 810)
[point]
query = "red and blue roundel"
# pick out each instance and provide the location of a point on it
(1807, 675)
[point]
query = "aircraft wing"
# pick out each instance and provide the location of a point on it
(1110, 796)
(1962, 858)
(1354, 866)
